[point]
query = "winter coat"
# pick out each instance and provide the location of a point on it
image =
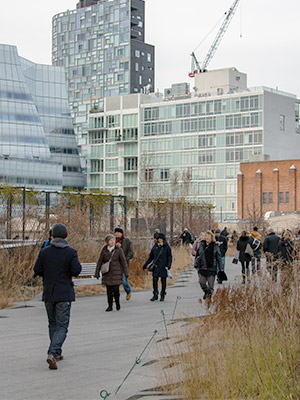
(223, 244)
(241, 246)
(270, 244)
(224, 232)
(286, 251)
(127, 247)
(186, 237)
(200, 260)
(255, 243)
(117, 266)
(57, 264)
(163, 259)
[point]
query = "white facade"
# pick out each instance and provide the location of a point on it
(190, 147)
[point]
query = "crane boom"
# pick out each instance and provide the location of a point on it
(213, 48)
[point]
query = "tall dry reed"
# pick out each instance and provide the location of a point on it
(247, 348)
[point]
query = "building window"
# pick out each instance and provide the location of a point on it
(270, 197)
(281, 197)
(130, 164)
(96, 165)
(264, 198)
(287, 197)
(164, 174)
(149, 174)
(282, 123)
(137, 54)
(149, 57)
(140, 79)
(136, 66)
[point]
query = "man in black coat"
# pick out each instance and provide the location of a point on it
(270, 248)
(57, 264)
(186, 237)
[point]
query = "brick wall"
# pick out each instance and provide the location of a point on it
(268, 186)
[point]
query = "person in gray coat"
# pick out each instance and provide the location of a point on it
(208, 262)
(57, 263)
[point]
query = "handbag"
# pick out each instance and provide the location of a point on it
(249, 250)
(222, 275)
(106, 265)
(236, 257)
(151, 266)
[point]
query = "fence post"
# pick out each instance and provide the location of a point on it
(47, 211)
(125, 214)
(172, 223)
(24, 214)
(112, 213)
(137, 217)
(8, 214)
(182, 217)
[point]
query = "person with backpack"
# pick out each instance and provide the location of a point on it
(48, 241)
(161, 255)
(255, 242)
(244, 255)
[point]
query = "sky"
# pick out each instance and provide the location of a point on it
(262, 40)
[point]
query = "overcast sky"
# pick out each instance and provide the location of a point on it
(262, 40)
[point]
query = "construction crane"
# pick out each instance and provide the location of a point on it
(196, 67)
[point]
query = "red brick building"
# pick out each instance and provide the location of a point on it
(268, 186)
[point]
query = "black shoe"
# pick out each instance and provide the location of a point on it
(109, 308)
(162, 298)
(219, 282)
(205, 296)
(118, 307)
(154, 298)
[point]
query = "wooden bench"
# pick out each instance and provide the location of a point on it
(86, 276)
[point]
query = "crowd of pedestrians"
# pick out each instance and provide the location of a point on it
(57, 263)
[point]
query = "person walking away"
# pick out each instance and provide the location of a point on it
(222, 242)
(186, 237)
(161, 254)
(57, 263)
(255, 241)
(286, 254)
(117, 267)
(127, 247)
(244, 257)
(208, 262)
(270, 248)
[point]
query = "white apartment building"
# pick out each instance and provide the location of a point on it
(144, 146)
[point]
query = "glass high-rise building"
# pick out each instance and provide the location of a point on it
(102, 47)
(37, 141)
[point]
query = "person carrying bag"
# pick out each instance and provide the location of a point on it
(162, 254)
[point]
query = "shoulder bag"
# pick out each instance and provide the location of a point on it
(152, 265)
(106, 265)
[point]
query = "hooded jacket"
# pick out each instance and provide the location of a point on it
(57, 264)
(270, 244)
(200, 260)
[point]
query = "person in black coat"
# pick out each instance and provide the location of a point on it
(57, 264)
(270, 248)
(161, 254)
(208, 262)
(186, 237)
(222, 242)
(244, 257)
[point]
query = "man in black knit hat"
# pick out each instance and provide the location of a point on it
(127, 246)
(57, 264)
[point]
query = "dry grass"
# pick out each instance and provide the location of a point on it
(247, 348)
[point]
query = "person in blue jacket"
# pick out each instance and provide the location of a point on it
(57, 264)
(161, 254)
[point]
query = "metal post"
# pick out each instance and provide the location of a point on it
(91, 218)
(47, 211)
(191, 216)
(112, 213)
(9, 212)
(125, 214)
(24, 214)
(209, 218)
(137, 217)
(221, 213)
(172, 223)
(182, 217)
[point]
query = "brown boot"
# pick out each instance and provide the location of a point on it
(52, 362)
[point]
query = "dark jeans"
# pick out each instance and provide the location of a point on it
(163, 285)
(256, 260)
(58, 319)
(113, 292)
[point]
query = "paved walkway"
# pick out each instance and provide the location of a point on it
(100, 349)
